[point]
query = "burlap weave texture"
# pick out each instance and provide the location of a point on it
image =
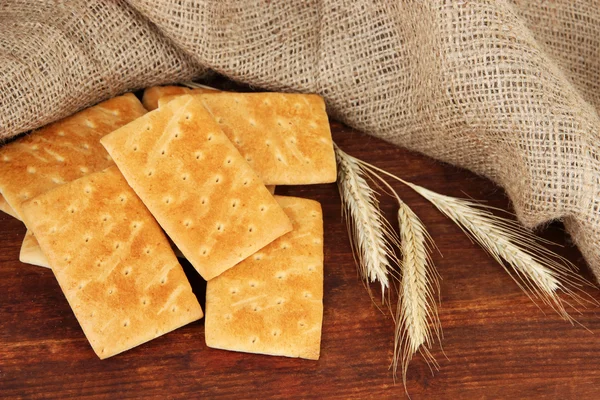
(509, 90)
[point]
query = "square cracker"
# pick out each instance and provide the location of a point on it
(284, 137)
(197, 185)
(112, 261)
(62, 151)
(6, 208)
(153, 94)
(272, 302)
(31, 252)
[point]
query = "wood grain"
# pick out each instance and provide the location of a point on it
(497, 342)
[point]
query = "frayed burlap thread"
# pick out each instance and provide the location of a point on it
(506, 89)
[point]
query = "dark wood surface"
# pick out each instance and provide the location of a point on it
(498, 343)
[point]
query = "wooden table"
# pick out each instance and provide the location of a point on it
(498, 343)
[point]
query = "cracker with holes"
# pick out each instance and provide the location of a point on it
(154, 94)
(284, 137)
(112, 261)
(271, 303)
(197, 185)
(62, 151)
(31, 252)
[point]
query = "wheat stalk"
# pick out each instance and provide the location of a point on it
(371, 236)
(416, 312)
(541, 271)
(538, 269)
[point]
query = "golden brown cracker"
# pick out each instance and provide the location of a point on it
(31, 252)
(62, 151)
(272, 302)
(112, 261)
(284, 137)
(196, 184)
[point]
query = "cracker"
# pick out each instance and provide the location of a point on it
(284, 137)
(31, 252)
(112, 261)
(6, 208)
(154, 94)
(62, 151)
(196, 184)
(272, 302)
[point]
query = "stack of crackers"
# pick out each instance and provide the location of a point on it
(113, 194)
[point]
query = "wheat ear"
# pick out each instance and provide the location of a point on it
(416, 316)
(417, 311)
(371, 237)
(538, 269)
(543, 272)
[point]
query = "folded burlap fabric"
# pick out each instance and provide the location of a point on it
(507, 90)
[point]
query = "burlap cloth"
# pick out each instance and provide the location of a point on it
(509, 90)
